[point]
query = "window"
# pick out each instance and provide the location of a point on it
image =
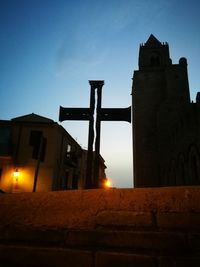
(155, 60)
(69, 148)
(5, 141)
(38, 142)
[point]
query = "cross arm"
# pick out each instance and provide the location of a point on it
(74, 114)
(115, 114)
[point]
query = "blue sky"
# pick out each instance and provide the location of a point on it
(49, 50)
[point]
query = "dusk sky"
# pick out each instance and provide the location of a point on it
(49, 49)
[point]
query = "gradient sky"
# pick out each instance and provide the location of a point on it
(49, 49)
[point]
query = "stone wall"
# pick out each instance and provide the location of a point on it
(157, 227)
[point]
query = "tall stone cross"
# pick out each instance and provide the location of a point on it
(94, 114)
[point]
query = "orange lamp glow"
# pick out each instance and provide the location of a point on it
(107, 183)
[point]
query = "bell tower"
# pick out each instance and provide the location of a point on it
(157, 82)
(153, 54)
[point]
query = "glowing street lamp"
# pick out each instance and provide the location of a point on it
(16, 174)
(15, 186)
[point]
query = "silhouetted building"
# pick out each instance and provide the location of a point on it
(166, 125)
(35, 148)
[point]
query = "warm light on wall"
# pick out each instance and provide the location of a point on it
(19, 179)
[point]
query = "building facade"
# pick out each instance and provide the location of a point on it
(37, 154)
(166, 124)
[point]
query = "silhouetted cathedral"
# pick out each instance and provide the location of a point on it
(166, 124)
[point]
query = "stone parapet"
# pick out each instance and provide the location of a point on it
(99, 228)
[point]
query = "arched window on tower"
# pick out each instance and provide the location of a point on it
(155, 60)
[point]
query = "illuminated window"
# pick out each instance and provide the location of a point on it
(69, 148)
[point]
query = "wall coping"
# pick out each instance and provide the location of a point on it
(85, 209)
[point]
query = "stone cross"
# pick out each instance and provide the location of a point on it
(94, 114)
